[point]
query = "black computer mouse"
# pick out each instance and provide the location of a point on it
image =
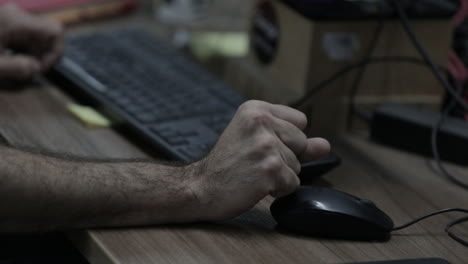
(324, 212)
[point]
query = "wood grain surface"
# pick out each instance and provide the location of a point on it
(405, 186)
(401, 184)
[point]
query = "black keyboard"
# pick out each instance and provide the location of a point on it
(166, 98)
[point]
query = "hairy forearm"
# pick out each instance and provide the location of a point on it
(42, 193)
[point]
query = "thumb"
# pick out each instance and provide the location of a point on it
(316, 148)
(19, 67)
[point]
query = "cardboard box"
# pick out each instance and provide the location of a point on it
(297, 53)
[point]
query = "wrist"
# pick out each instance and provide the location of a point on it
(208, 204)
(195, 191)
(181, 194)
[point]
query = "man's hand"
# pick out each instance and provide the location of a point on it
(28, 45)
(259, 153)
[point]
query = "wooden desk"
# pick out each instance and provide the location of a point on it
(401, 184)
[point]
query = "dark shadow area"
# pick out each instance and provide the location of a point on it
(252, 222)
(325, 238)
(16, 86)
(52, 248)
(317, 182)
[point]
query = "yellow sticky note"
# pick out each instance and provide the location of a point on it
(228, 44)
(88, 115)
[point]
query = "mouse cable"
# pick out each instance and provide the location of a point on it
(353, 108)
(452, 235)
(457, 98)
(435, 146)
(456, 95)
(337, 75)
(425, 55)
(447, 227)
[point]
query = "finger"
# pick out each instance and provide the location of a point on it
(289, 158)
(53, 55)
(315, 149)
(53, 49)
(19, 67)
(290, 115)
(290, 135)
(35, 36)
(287, 183)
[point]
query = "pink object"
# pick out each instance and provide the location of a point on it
(462, 13)
(47, 5)
(456, 66)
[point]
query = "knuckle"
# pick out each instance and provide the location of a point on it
(254, 114)
(253, 119)
(253, 106)
(272, 165)
(260, 118)
(266, 143)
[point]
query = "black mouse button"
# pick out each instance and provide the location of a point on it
(368, 202)
(371, 213)
(363, 209)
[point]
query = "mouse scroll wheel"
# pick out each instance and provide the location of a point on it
(367, 202)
